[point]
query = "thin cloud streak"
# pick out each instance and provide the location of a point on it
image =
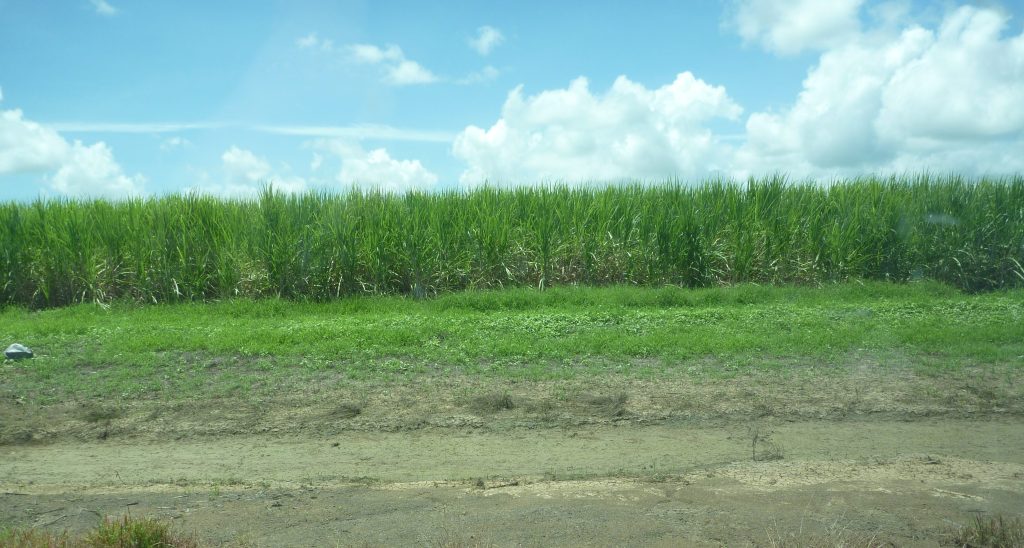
(145, 127)
(356, 132)
(362, 132)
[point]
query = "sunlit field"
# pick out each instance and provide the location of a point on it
(598, 340)
(483, 274)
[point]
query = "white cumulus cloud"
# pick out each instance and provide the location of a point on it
(790, 26)
(245, 173)
(897, 96)
(574, 135)
(967, 82)
(92, 171)
(70, 168)
(918, 99)
(242, 165)
(487, 38)
(28, 146)
(375, 168)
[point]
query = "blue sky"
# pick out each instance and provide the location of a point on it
(120, 97)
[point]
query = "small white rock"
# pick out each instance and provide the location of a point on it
(18, 352)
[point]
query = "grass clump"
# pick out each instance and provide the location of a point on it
(346, 410)
(100, 413)
(492, 402)
(990, 532)
(129, 532)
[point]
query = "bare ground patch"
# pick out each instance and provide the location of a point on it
(326, 403)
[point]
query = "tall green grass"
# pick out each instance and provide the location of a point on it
(321, 246)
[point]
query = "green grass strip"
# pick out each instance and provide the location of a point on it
(527, 334)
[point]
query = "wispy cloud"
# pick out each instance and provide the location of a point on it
(103, 7)
(487, 38)
(408, 73)
(175, 142)
(361, 133)
(486, 74)
(143, 127)
(312, 41)
(358, 132)
(398, 70)
(368, 53)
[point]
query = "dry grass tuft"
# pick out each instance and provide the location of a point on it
(609, 405)
(33, 538)
(837, 534)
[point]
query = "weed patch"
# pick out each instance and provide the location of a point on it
(124, 532)
(762, 447)
(990, 532)
(136, 533)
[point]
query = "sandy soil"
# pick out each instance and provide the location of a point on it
(904, 482)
